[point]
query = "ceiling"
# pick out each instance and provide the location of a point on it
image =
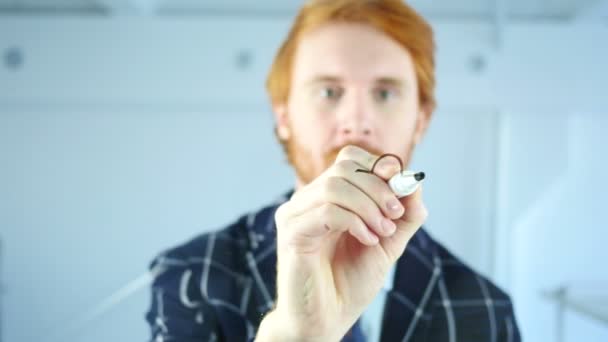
(443, 9)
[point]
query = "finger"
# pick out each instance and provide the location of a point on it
(374, 187)
(341, 192)
(415, 210)
(386, 167)
(413, 218)
(358, 155)
(308, 231)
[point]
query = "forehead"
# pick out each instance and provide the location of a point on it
(351, 51)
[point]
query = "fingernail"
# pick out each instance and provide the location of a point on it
(388, 165)
(393, 205)
(388, 226)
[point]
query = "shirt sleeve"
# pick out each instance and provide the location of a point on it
(177, 311)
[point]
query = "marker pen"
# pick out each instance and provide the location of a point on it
(406, 182)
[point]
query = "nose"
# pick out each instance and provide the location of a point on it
(354, 129)
(355, 119)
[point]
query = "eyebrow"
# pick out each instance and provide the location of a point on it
(324, 79)
(390, 81)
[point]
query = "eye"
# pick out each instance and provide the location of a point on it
(384, 94)
(331, 92)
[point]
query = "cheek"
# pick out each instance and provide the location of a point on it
(398, 129)
(312, 127)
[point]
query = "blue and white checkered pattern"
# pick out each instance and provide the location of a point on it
(218, 286)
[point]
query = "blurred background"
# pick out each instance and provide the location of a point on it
(128, 126)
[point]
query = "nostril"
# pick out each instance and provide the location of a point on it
(349, 131)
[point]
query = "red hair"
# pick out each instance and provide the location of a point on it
(393, 17)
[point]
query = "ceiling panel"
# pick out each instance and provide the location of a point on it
(43, 3)
(461, 9)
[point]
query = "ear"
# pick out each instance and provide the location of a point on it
(422, 123)
(281, 121)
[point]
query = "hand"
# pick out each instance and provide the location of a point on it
(337, 238)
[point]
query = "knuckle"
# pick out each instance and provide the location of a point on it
(344, 166)
(332, 185)
(326, 211)
(367, 214)
(347, 152)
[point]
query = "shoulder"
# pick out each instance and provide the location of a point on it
(190, 261)
(213, 245)
(201, 286)
(181, 306)
(214, 261)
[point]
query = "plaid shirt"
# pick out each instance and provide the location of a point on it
(218, 286)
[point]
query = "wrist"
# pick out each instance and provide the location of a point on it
(275, 327)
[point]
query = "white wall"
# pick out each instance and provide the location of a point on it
(89, 198)
(118, 134)
(559, 238)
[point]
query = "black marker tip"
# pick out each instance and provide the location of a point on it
(419, 176)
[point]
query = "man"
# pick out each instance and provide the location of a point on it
(353, 80)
